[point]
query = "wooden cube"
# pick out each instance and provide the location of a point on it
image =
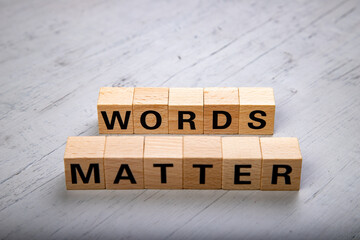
(241, 163)
(281, 164)
(202, 162)
(163, 162)
(150, 108)
(257, 111)
(186, 107)
(124, 162)
(221, 111)
(84, 162)
(115, 110)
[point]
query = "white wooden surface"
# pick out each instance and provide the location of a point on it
(55, 55)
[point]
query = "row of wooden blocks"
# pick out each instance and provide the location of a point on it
(225, 110)
(177, 162)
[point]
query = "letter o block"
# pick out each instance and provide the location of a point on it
(84, 163)
(281, 164)
(150, 108)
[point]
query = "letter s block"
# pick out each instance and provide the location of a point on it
(281, 164)
(150, 109)
(115, 110)
(257, 111)
(84, 163)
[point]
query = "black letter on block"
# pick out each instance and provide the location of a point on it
(238, 174)
(215, 119)
(116, 115)
(129, 176)
(143, 120)
(276, 174)
(93, 166)
(261, 121)
(181, 119)
(163, 170)
(202, 171)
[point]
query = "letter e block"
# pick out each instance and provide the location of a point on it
(221, 111)
(114, 108)
(163, 162)
(241, 163)
(186, 110)
(202, 162)
(150, 109)
(257, 111)
(124, 163)
(281, 164)
(84, 163)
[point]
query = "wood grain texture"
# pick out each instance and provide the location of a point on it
(56, 55)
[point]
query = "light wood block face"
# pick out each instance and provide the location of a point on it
(221, 111)
(241, 163)
(281, 164)
(150, 108)
(163, 162)
(257, 111)
(202, 162)
(115, 110)
(124, 162)
(84, 163)
(186, 111)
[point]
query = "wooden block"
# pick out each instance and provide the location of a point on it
(84, 162)
(281, 164)
(202, 162)
(257, 111)
(124, 162)
(221, 111)
(241, 163)
(163, 162)
(186, 108)
(115, 110)
(150, 109)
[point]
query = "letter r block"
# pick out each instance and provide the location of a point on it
(84, 163)
(221, 111)
(150, 109)
(281, 164)
(114, 108)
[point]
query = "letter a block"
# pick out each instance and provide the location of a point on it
(257, 111)
(281, 165)
(221, 111)
(124, 163)
(241, 163)
(186, 111)
(115, 110)
(84, 163)
(150, 109)
(163, 162)
(202, 162)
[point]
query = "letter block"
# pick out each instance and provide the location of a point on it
(281, 164)
(202, 162)
(163, 162)
(84, 163)
(124, 162)
(114, 110)
(221, 111)
(241, 163)
(186, 111)
(257, 111)
(150, 109)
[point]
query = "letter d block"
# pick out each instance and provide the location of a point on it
(221, 111)
(257, 111)
(83, 160)
(150, 109)
(115, 110)
(281, 165)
